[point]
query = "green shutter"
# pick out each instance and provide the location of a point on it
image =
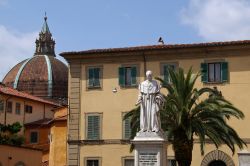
(93, 131)
(91, 77)
(165, 74)
(224, 71)
(121, 76)
(127, 129)
(133, 75)
(204, 72)
(33, 137)
(97, 77)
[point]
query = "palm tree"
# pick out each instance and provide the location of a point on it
(191, 113)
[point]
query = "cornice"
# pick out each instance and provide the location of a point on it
(128, 142)
(158, 55)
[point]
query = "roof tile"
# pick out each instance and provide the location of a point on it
(156, 47)
(13, 92)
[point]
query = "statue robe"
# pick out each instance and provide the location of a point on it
(150, 101)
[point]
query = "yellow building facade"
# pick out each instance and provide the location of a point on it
(103, 86)
(58, 135)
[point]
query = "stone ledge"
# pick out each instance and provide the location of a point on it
(149, 136)
(100, 142)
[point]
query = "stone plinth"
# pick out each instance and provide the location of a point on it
(150, 149)
(244, 158)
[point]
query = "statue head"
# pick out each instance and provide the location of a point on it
(149, 75)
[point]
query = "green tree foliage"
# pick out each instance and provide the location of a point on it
(190, 113)
(9, 134)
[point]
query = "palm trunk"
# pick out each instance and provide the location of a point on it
(183, 148)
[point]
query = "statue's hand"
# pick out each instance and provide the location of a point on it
(159, 100)
(138, 101)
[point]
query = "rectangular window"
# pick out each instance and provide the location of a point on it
(92, 161)
(94, 77)
(126, 128)
(18, 108)
(216, 72)
(1, 106)
(172, 162)
(9, 106)
(127, 76)
(93, 130)
(128, 162)
(165, 73)
(33, 137)
(28, 109)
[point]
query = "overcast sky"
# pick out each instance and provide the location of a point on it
(87, 24)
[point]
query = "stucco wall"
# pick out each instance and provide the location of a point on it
(43, 133)
(40, 111)
(111, 105)
(12, 155)
(57, 156)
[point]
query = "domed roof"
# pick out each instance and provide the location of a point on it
(41, 75)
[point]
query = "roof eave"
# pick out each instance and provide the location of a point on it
(145, 49)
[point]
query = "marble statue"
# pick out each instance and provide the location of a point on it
(150, 100)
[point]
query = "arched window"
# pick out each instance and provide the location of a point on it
(19, 163)
(217, 158)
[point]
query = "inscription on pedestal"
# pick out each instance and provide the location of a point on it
(148, 159)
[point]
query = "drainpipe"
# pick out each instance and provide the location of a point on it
(44, 111)
(24, 112)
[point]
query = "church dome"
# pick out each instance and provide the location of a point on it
(41, 75)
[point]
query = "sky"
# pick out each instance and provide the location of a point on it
(89, 24)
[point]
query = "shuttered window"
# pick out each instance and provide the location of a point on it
(94, 76)
(127, 76)
(165, 73)
(172, 162)
(18, 108)
(28, 109)
(128, 162)
(92, 162)
(33, 137)
(214, 72)
(93, 127)
(9, 107)
(126, 128)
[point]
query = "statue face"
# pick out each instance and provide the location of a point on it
(149, 75)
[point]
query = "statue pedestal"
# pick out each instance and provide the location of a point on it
(244, 158)
(150, 149)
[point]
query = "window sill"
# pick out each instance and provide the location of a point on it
(214, 83)
(128, 86)
(94, 88)
(93, 141)
(33, 143)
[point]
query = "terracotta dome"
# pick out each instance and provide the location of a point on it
(41, 75)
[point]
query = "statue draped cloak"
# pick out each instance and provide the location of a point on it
(150, 100)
